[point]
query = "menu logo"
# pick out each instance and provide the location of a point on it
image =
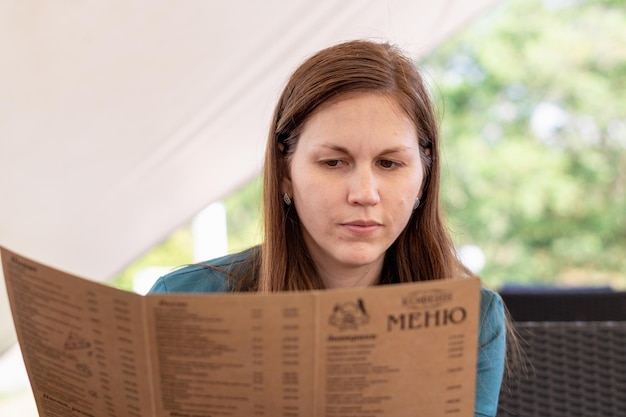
(349, 315)
(426, 299)
(428, 309)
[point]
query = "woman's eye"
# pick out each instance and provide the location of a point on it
(387, 164)
(332, 163)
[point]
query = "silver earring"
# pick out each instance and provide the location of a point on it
(286, 199)
(416, 204)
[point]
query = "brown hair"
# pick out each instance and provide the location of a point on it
(424, 250)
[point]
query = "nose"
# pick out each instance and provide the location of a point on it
(363, 187)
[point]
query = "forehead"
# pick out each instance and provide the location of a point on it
(363, 117)
(359, 99)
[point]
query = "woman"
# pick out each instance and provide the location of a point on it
(350, 194)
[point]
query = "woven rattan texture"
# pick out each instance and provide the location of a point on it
(571, 369)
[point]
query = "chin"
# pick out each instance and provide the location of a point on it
(359, 261)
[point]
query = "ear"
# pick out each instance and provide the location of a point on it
(285, 185)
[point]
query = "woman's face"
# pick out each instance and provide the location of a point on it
(354, 178)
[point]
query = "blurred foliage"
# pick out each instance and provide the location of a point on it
(243, 210)
(175, 251)
(534, 132)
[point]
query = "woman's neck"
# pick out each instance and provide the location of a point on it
(349, 277)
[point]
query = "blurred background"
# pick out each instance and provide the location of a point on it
(533, 113)
(532, 103)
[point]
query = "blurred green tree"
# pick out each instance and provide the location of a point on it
(534, 126)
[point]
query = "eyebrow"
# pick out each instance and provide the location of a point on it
(345, 150)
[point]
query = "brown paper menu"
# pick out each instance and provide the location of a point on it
(94, 350)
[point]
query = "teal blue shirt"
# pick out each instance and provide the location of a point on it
(491, 343)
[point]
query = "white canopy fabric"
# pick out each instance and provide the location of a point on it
(120, 120)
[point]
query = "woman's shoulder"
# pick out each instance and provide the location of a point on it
(489, 299)
(209, 276)
(492, 315)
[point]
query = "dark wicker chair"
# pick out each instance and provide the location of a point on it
(574, 345)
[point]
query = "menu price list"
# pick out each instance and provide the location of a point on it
(235, 356)
(80, 346)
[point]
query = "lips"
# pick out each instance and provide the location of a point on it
(362, 227)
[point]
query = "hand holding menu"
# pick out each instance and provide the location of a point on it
(94, 350)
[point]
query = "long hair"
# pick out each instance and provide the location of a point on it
(424, 250)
